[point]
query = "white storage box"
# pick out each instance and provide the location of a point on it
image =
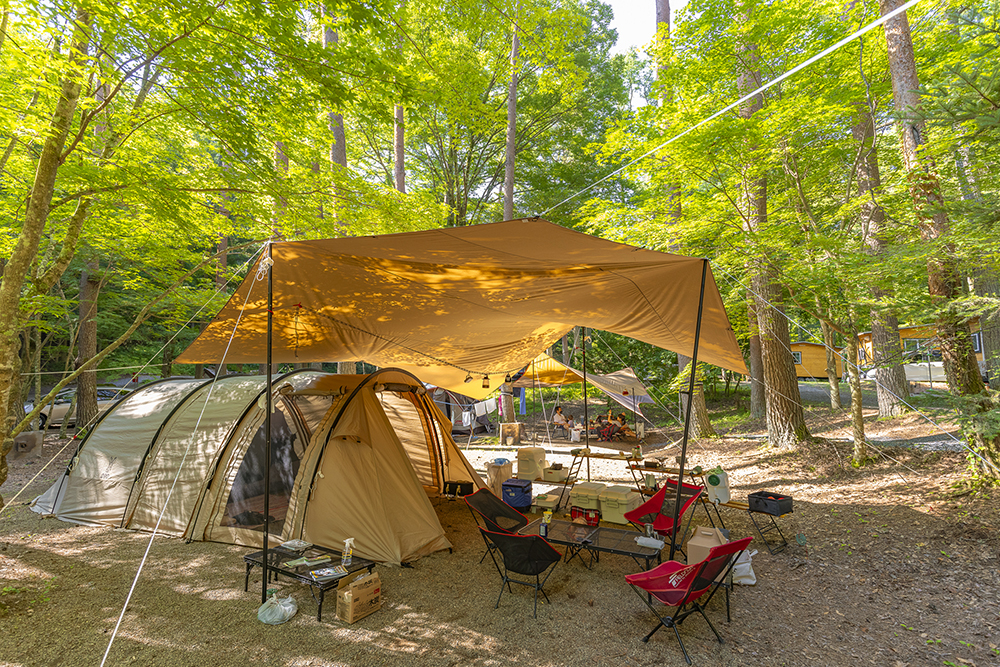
(545, 501)
(550, 475)
(616, 500)
(530, 462)
(587, 495)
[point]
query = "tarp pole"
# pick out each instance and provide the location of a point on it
(267, 429)
(586, 412)
(687, 412)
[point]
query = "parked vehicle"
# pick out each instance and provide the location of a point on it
(919, 366)
(55, 412)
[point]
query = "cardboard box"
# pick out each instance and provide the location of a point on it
(700, 544)
(358, 595)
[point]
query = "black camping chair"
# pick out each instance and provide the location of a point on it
(529, 555)
(496, 515)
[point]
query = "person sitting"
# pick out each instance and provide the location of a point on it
(565, 422)
(623, 421)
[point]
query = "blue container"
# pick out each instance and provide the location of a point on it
(517, 494)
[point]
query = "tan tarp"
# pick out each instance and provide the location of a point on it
(622, 386)
(479, 300)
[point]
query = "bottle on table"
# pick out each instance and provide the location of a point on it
(347, 555)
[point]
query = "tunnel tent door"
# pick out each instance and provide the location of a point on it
(245, 503)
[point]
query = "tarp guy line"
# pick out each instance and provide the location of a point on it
(822, 54)
(846, 362)
(180, 466)
(828, 422)
(156, 355)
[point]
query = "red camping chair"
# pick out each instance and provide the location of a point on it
(680, 586)
(659, 509)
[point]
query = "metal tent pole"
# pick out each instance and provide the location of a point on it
(687, 412)
(267, 427)
(586, 412)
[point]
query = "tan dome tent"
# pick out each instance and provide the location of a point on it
(351, 456)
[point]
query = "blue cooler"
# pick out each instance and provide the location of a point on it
(517, 494)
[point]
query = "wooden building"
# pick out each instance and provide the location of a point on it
(915, 337)
(810, 360)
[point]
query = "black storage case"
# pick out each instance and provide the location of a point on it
(767, 502)
(458, 488)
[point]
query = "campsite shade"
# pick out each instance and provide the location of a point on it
(622, 386)
(452, 302)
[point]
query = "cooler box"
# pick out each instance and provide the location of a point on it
(530, 462)
(517, 494)
(591, 516)
(587, 495)
(560, 475)
(545, 501)
(616, 500)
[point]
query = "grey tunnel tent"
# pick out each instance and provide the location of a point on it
(351, 456)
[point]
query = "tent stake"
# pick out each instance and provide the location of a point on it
(267, 429)
(687, 412)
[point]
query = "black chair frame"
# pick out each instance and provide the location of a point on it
(541, 557)
(489, 512)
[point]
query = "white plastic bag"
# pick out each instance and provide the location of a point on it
(277, 610)
(743, 569)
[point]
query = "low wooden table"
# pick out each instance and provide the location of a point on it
(277, 556)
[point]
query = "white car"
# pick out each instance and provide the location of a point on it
(919, 366)
(54, 413)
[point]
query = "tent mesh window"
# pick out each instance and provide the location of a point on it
(245, 507)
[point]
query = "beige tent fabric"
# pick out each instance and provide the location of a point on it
(98, 490)
(367, 487)
(186, 450)
(477, 300)
(368, 484)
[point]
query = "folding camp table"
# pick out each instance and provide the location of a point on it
(579, 538)
(278, 556)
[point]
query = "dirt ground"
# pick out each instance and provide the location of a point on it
(894, 565)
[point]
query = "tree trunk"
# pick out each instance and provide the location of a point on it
(786, 424)
(565, 349)
(987, 284)
(701, 425)
(335, 120)
(943, 279)
(831, 365)
(508, 181)
(36, 213)
(857, 416)
(758, 402)
(36, 368)
(399, 148)
(891, 386)
(86, 386)
(985, 280)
